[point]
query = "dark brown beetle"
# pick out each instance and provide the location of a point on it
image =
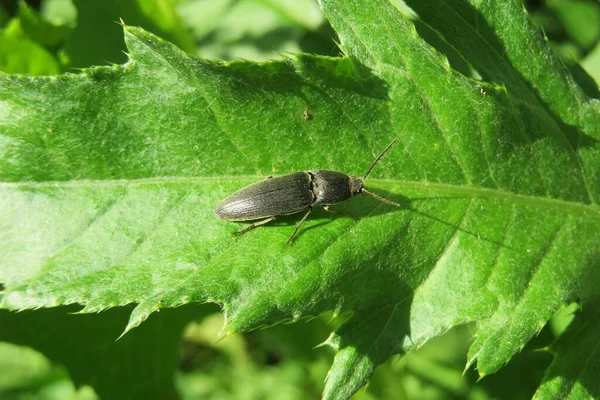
(293, 193)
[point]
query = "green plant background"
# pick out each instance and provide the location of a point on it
(50, 353)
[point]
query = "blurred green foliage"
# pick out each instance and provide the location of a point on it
(53, 36)
(573, 29)
(275, 363)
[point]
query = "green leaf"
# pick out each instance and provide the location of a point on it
(574, 372)
(21, 55)
(97, 38)
(59, 12)
(110, 178)
(580, 19)
(592, 64)
(227, 29)
(28, 44)
(28, 374)
(251, 365)
(39, 30)
(139, 365)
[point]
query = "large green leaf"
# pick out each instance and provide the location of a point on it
(110, 178)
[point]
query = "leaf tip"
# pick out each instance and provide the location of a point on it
(470, 361)
(127, 329)
(466, 368)
(322, 344)
(227, 329)
(330, 341)
(133, 323)
(224, 333)
(481, 376)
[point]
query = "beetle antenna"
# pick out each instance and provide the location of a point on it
(379, 158)
(378, 197)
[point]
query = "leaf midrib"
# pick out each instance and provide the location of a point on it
(460, 191)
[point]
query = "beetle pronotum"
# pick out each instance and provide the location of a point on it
(294, 193)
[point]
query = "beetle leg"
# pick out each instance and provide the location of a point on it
(299, 225)
(253, 225)
(326, 208)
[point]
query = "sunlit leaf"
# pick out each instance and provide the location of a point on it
(110, 178)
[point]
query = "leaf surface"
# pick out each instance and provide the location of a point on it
(110, 178)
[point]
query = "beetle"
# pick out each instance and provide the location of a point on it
(294, 193)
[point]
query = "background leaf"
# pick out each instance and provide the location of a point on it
(140, 365)
(18, 54)
(575, 368)
(96, 39)
(227, 29)
(40, 30)
(110, 178)
(31, 44)
(28, 374)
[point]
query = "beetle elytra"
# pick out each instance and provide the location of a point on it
(294, 193)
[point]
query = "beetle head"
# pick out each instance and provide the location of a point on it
(356, 185)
